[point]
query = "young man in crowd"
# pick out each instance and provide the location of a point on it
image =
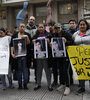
(72, 29)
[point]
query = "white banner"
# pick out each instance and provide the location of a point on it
(4, 55)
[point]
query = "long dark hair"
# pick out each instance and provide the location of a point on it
(84, 20)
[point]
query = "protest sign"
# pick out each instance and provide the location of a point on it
(4, 55)
(40, 49)
(58, 47)
(80, 61)
(19, 45)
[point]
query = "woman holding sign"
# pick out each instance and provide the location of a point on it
(2, 76)
(82, 37)
(42, 63)
(21, 61)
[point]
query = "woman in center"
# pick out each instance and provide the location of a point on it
(42, 63)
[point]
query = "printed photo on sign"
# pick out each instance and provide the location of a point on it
(40, 48)
(58, 47)
(19, 47)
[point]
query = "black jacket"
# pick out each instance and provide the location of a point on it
(67, 36)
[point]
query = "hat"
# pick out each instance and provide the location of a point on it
(2, 29)
(57, 25)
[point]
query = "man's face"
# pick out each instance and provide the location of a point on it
(2, 34)
(22, 28)
(31, 21)
(72, 25)
(51, 27)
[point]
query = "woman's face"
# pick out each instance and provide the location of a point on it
(38, 46)
(22, 27)
(82, 26)
(41, 28)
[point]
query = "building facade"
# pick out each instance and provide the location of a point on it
(62, 11)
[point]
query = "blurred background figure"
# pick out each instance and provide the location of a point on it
(15, 29)
(49, 12)
(8, 32)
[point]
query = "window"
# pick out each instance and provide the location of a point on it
(3, 14)
(13, 0)
(87, 5)
(69, 8)
(40, 11)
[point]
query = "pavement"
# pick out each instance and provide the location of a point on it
(43, 93)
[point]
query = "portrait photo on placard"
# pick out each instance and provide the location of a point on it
(19, 45)
(58, 47)
(40, 48)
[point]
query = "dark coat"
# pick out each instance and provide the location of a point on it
(69, 39)
(67, 36)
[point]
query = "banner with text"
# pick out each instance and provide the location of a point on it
(4, 55)
(80, 61)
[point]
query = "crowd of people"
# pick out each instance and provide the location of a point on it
(59, 68)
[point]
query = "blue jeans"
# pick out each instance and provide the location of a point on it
(22, 70)
(4, 80)
(9, 76)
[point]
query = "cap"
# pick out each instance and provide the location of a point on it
(57, 25)
(2, 29)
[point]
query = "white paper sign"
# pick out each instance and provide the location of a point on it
(4, 55)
